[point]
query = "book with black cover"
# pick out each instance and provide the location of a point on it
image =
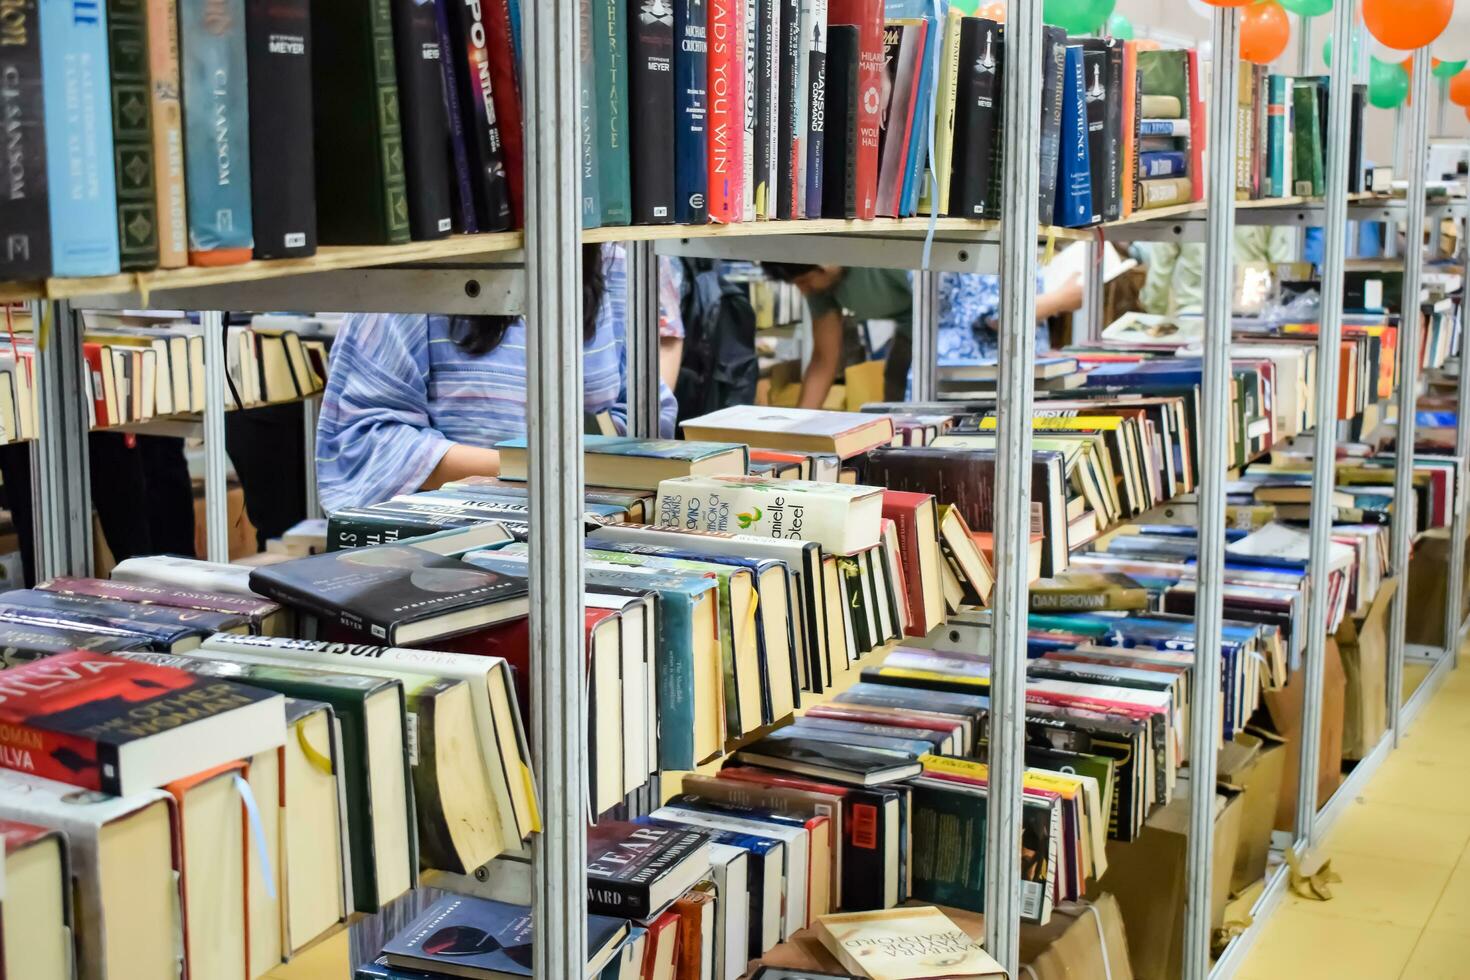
(816, 125)
(21, 643)
(356, 118)
(425, 120)
(1096, 94)
(465, 215)
(1113, 132)
(1054, 69)
(278, 50)
(397, 593)
(839, 156)
(691, 121)
(25, 248)
(634, 870)
(132, 133)
(651, 110)
(977, 113)
(767, 103)
(469, 41)
(166, 629)
(788, 104)
(850, 764)
(481, 938)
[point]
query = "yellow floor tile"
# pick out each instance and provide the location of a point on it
(1396, 832)
(1430, 782)
(1377, 889)
(1301, 945)
(1439, 956)
(1452, 911)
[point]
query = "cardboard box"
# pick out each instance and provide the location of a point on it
(1363, 646)
(1284, 705)
(1429, 577)
(1254, 761)
(1148, 877)
(1081, 941)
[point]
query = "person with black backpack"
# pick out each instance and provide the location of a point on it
(719, 367)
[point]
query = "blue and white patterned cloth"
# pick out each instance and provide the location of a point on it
(400, 393)
(968, 306)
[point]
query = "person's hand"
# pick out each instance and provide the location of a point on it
(1066, 298)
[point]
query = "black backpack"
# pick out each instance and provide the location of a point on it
(719, 367)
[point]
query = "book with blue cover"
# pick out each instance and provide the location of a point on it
(1074, 206)
(691, 170)
(487, 940)
(1162, 163)
(918, 151)
(637, 464)
(212, 61)
(80, 173)
(610, 59)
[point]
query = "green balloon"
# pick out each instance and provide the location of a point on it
(1075, 16)
(1388, 84)
(1307, 8)
(1449, 69)
(1120, 27)
(1327, 53)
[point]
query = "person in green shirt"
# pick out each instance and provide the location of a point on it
(1176, 273)
(968, 304)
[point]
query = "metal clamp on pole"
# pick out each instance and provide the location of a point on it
(554, 420)
(1204, 727)
(1410, 317)
(642, 340)
(216, 491)
(61, 484)
(1019, 229)
(923, 377)
(1324, 459)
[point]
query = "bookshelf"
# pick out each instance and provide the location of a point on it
(537, 274)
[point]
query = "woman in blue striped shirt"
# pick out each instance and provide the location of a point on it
(414, 401)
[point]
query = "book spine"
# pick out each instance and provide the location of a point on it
(25, 243)
(621, 899)
(1163, 127)
(1196, 128)
(787, 122)
(803, 108)
(465, 211)
(282, 157)
(691, 100)
(1074, 183)
(1113, 132)
(726, 119)
(1095, 96)
(506, 91)
(477, 100)
(587, 117)
(651, 101)
(37, 752)
(425, 122)
(1162, 164)
(1054, 66)
(767, 56)
(610, 51)
(1244, 116)
(1275, 132)
(935, 192)
(900, 117)
(80, 185)
(750, 23)
(837, 119)
(132, 134)
(216, 131)
(850, 130)
(1130, 127)
(869, 106)
(1164, 192)
(975, 117)
(815, 31)
(918, 151)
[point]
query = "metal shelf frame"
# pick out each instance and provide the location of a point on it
(538, 274)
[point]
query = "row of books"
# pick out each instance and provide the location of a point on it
(1283, 136)
(222, 136)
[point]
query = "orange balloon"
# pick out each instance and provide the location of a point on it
(1460, 89)
(1229, 3)
(1149, 44)
(995, 10)
(1264, 33)
(1407, 24)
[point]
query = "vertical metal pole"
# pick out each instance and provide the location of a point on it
(1304, 50)
(311, 409)
(1324, 459)
(1204, 728)
(61, 464)
(1454, 604)
(924, 356)
(1091, 320)
(642, 340)
(1409, 322)
(1019, 229)
(1441, 104)
(554, 419)
(216, 491)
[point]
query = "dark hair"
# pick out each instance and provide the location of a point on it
(786, 271)
(482, 334)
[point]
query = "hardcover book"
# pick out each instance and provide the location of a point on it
(620, 461)
(814, 32)
(21, 643)
(725, 91)
(168, 133)
(132, 134)
(105, 723)
(610, 52)
(282, 158)
(634, 871)
(465, 205)
(425, 119)
(356, 116)
(1095, 95)
(855, 765)
(691, 122)
(766, 16)
(914, 943)
(1074, 207)
(788, 128)
(216, 131)
(842, 518)
(502, 21)
(591, 189)
(262, 613)
(867, 17)
(903, 46)
(840, 122)
(80, 185)
(847, 434)
(977, 118)
(396, 593)
(25, 247)
(1053, 81)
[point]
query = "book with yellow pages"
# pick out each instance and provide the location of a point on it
(904, 944)
(797, 429)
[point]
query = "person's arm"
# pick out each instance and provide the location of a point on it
(461, 461)
(670, 356)
(670, 321)
(1066, 298)
(826, 360)
(374, 438)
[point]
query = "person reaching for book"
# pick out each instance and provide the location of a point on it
(414, 401)
(968, 305)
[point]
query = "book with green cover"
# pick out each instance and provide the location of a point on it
(132, 134)
(610, 61)
(1071, 591)
(948, 825)
(1307, 148)
(1164, 72)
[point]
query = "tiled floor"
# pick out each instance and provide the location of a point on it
(1402, 909)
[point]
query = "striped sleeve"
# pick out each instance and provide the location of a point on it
(375, 438)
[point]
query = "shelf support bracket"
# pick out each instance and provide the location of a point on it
(61, 479)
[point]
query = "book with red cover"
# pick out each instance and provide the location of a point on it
(506, 92)
(93, 354)
(257, 610)
(689, 959)
(114, 725)
(725, 46)
(904, 509)
(662, 946)
(1197, 129)
(867, 17)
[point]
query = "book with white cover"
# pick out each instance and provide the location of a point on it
(841, 517)
(186, 573)
(801, 429)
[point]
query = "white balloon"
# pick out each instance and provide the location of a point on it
(1203, 9)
